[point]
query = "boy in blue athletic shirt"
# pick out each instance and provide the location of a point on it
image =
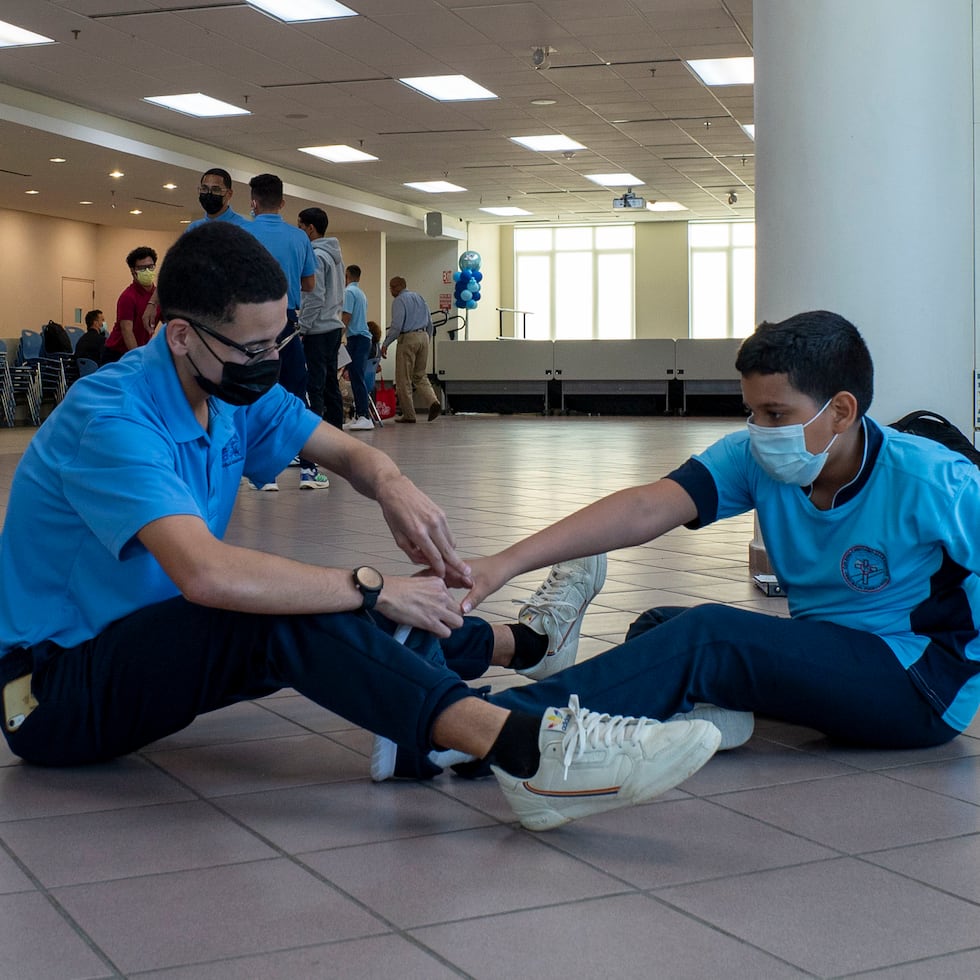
(873, 536)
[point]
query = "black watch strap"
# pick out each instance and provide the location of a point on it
(369, 582)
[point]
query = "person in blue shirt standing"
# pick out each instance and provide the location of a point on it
(215, 194)
(410, 325)
(358, 346)
(291, 248)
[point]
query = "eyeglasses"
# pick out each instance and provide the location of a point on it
(218, 189)
(143, 268)
(250, 352)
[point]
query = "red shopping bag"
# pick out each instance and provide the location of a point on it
(384, 398)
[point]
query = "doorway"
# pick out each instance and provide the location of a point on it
(77, 298)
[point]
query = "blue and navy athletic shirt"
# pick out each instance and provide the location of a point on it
(897, 555)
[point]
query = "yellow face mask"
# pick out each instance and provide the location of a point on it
(146, 277)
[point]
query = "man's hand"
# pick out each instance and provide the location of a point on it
(422, 601)
(384, 353)
(421, 530)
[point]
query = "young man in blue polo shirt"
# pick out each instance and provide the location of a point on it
(291, 248)
(132, 480)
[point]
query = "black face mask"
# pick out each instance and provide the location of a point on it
(212, 203)
(240, 384)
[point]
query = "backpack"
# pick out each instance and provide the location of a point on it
(55, 338)
(934, 426)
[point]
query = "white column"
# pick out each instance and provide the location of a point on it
(865, 185)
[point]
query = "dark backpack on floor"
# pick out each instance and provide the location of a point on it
(935, 427)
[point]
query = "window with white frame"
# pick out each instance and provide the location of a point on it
(576, 283)
(722, 277)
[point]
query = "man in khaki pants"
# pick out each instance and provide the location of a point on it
(410, 325)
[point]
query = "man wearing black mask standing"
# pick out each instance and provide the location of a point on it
(215, 194)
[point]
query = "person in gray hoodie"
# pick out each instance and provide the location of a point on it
(320, 323)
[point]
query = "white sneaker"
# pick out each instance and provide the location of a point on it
(313, 480)
(736, 727)
(557, 609)
(361, 424)
(295, 461)
(591, 763)
(265, 486)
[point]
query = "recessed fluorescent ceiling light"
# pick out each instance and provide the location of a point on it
(435, 186)
(338, 153)
(505, 212)
(665, 206)
(749, 130)
(293, 11)
(16, 37)
(724, 71)
(614, 180)
(196, 104)
(57, 160)
(448, 88)
(544, 144)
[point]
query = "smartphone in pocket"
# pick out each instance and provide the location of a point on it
(18, 702)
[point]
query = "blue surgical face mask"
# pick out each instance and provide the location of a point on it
(781, 451)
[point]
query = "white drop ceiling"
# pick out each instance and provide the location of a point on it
(617, 76)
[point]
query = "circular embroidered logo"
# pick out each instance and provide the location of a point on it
(865, 569)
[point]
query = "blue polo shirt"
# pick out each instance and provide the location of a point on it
(897, 555)
(290, 247)
(124, 449)
(230, 215)
(355, 303)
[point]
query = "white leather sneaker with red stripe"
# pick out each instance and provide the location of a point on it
(591, 763)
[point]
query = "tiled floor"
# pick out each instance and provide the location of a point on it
(253, 844)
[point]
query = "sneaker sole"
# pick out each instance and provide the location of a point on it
(310, 485)
(383, 755)
(540, 811)
(554, 662)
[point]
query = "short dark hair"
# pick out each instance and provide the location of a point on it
(266, 190)
(143, 252)
(316, 217)
(218, 172)
(821, 354)
(92, 316)
(354, 270)
(212, 269)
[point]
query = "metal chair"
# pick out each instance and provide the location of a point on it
(24, 380)
(75, 334)
(86, 366)
(54, 380)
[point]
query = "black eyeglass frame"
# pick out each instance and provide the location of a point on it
(250, 352)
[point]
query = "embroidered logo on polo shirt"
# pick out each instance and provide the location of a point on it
(865, 569)
(232, 452)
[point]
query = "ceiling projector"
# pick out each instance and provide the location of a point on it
(629, 200)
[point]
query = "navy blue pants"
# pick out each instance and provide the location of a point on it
(843, 682)
(321, 351)
(359, 348)
(150, 674)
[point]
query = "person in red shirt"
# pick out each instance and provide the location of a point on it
(139, 297)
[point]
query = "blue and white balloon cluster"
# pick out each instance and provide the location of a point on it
(468, 281)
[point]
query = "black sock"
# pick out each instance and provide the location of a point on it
(516, 749)
(529, 647)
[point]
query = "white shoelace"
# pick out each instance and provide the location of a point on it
(542, 600)
(589, 730)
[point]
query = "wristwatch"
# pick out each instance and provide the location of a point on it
(369, 583)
